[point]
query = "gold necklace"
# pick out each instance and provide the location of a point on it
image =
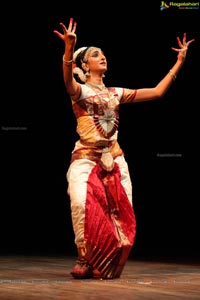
(100, 87)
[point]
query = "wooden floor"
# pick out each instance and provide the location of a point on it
(48, 277)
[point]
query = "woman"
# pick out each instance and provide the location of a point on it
(99, 183)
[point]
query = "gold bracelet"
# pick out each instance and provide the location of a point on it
(67, 62)
(171, 73)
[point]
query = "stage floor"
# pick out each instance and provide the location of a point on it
(48, 277)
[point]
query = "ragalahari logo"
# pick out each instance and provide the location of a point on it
(164, 5)
(179, 5)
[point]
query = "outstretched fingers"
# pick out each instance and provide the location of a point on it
(70, 31)
(189, 42)
(72, 25)
(60, 35)
(183, 45)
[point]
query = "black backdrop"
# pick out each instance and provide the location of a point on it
(38, 129)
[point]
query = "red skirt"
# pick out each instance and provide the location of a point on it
(110, 224)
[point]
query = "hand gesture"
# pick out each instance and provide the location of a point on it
(69, 35)
(182, 51)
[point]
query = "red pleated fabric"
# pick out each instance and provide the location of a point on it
(110, 224)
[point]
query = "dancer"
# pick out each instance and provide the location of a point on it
(99, 183)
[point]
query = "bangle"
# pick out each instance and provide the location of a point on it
(67, 62)
(171, 73)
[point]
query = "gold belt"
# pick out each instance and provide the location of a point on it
(100, 145)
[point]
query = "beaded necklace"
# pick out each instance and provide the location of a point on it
(100, 87)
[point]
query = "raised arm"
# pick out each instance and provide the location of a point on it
(69, 38)
(161, 88)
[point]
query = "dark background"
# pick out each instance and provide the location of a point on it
(38, 129)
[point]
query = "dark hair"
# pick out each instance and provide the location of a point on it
(80, 58)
